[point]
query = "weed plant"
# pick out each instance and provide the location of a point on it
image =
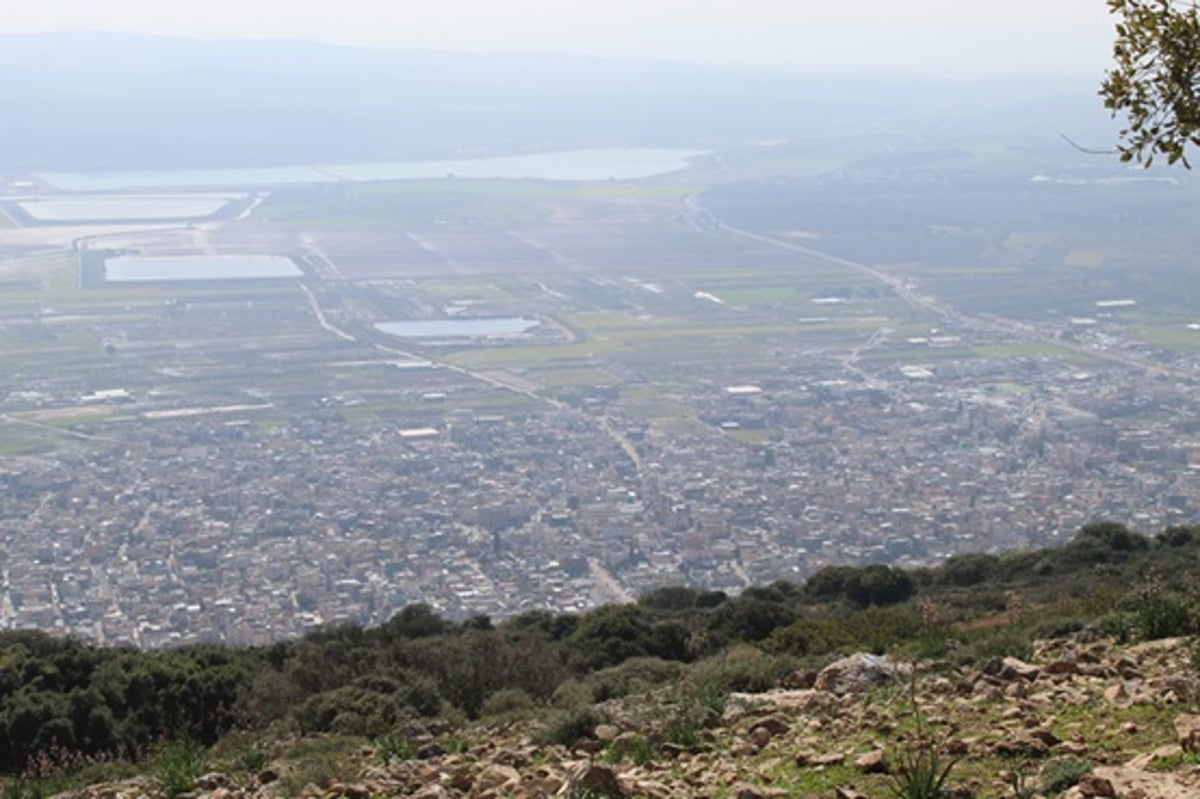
(919, 771)
(393, 746)
(176, 765)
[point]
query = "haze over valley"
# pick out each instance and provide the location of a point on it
(297, 334)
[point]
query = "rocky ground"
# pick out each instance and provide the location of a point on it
(1081, 718)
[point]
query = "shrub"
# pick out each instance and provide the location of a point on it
(637, 748)
(879, 585)
(1159, 612)
(1005, 642)
(176, 765)
(1119, 625)
(321, 762)
(1062, 773)
(566, 727)
(744, 669)
(508, 702)
(634, 676)
(393, 746)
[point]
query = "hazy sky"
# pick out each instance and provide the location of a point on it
(966, 37)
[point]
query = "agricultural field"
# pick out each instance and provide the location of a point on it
(707, 376)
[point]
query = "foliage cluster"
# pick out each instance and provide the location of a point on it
(1155, 80)
(65, 695)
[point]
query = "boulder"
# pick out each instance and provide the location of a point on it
(855, 674)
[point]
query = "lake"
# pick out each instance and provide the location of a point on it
(126, 207)
(614, 164)
(482, 327)
(139, 268)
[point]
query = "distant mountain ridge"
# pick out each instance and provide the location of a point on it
(105, 101)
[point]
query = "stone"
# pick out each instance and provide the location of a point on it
(1187, 730)
(820, 761)
(652, 789)
(849, 793)
(774, 725)
(1168, 752)
(461, 780)
(872, 762)
(1021, 746)
(593, 781)
(348, 791)
(497, 776)
(760, 736)
(606, 732)
(1062, 667)
(212, 781)
(1045, 736)
(743, 791)
(1015, 669)
(802, 679)
(744, 749)
(430, 751)
(956, 747)
(1129, 782)
(1092, 785)
(855, 674)
(1116, 694)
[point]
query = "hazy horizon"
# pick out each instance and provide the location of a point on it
(933, 38)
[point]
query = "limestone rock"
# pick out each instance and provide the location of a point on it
(1128, 781)
(1092, 785)
(593, 781)
(811, 760)
(849, 793)
(1187, 729)
(606, 732)
(1014, 669)
(872, 762)
(743, 791)
(774, 725)
(855, 674)
(497, 776)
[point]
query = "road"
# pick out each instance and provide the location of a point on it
(703, 219)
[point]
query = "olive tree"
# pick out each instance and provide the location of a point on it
(1154, 84)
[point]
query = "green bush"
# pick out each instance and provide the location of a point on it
(320, 761)
(637, 748)
(1011, 641)
(176, 765)
(566, 727)
(393, 745)
(634, 676)
(508, 702)
(742, 669)
(1062, 773)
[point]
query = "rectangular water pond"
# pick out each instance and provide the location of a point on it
(117, 208)
(482, 327)
(141, 268)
